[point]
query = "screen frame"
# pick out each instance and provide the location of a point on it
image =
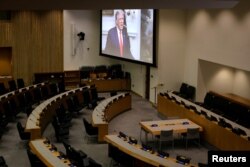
(154, 55)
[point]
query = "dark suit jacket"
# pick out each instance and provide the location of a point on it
(112, 44)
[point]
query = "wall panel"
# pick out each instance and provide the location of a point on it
(36, 38)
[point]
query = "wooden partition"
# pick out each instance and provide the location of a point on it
(222, 138)
(107, 110)
(49, 157)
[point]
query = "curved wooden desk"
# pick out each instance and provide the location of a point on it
(146, 157)
(212, 132)
(42, 115)
(37, 121)
(107, 110)
(49, 156)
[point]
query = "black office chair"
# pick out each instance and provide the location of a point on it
(93, 163)
(142, 130)
(34, 160)
(12, 85)
(22, 134)
(10, 108)
(166, 136)
(20, 83)
(61, 133)
(2, 162)
(86, 97)
(45, 92)
(3, 120)
(53, 89)
(28, 102)
(192, 134)
(91, 132)
(72, 106)
(78, 156)
(3, 90)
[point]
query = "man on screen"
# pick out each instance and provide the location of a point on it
(118, 43)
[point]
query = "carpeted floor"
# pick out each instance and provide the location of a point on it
(14, 150)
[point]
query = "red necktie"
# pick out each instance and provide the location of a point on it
(121, 44)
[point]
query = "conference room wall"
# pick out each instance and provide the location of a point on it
(221, 78)
(218, 36)
(85, 52)
(200, 29)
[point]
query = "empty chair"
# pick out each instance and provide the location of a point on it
(60, 132)
(166, 136)
(22, 134)
(192, 134)
(28, 101)
(91, 132)
(37, 95)
(183, 90)
(63, 115)
(10, 109)
(2, 162)
(72, 106)
(86, 97)
(2, 89)
(20, 83)
(34, 160)
(3, 120)
(53, 89)
(61, 87)
(67, 148)
(144, 131)
(21, 102)
(190, 93)
(45, 92)
(113, 93)
(93, 96)
(208, 101)
(79, 157)
(12, 85)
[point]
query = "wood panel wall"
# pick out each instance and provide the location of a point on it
(36, 38)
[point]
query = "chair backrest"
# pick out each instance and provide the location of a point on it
(20, 83)
(193, 133)
(183, 88)
(67, 148)
(93, 163)
(2, 89)
(2, 161)
(166, 135)
(12, 85)
(20, 128)
(86, 96)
